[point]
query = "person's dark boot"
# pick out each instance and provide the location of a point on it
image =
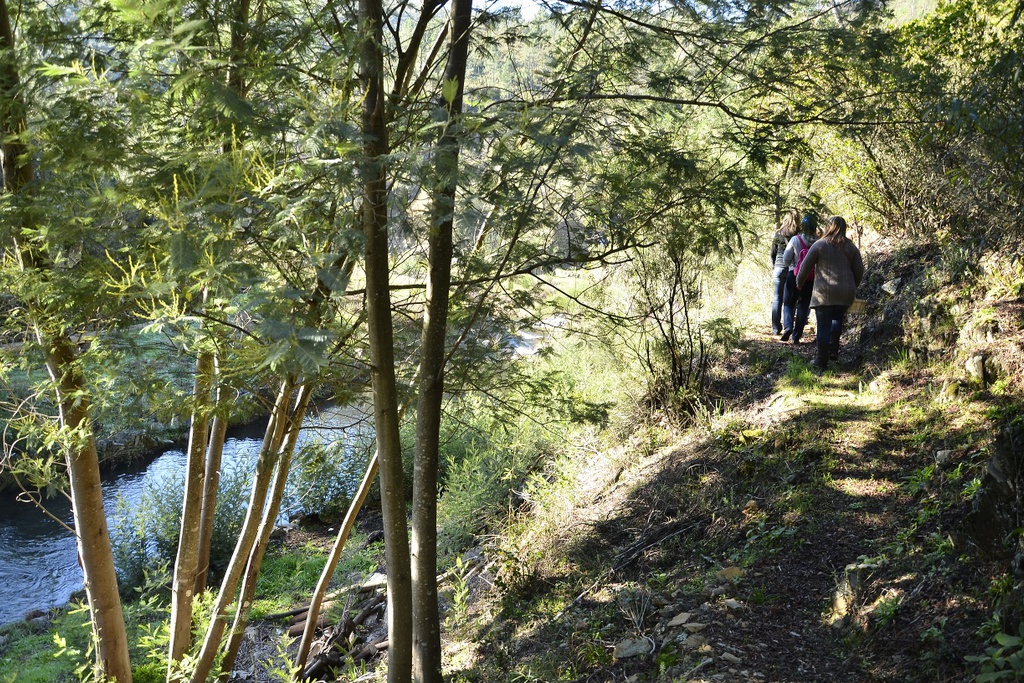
(833, 351)
(785, 334)
(820, 361)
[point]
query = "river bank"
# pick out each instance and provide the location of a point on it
(122, 446)
(38, 555)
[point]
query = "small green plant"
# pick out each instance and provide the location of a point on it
(1001, 585)
(591, 653)
(666, 660)
(767, 539)
(800, 376)
(920, 479)
(84, 670)
(971, 488)
(283, 668)
(903, 358)
(886, 609)
(78, 651)
(935, 632)
(658, 580)
(706, 412)
(759, 596)
(460, 592)
(1004, 661)
(635, 605)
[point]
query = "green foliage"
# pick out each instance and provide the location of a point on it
(490, 448)
(482, 465)
(459, 593)
(181, 215)
(283, 668)
(886, 609)
(920, 479)
(800, 376)
(288, 577)
(325, 475)
(33, 656)
(764, 539)
(1004, 661)
(144, 536)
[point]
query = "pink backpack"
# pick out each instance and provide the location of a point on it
(800, 257)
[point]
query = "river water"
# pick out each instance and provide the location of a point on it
(38, 556)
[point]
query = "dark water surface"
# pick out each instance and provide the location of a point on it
(38, 556)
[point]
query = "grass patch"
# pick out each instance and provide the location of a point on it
(31, 655)
(800, 376)
(288, 576)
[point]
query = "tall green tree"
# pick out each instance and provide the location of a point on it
(374, 222)
(26, 224)
(433, 356)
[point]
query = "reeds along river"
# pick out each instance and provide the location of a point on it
(38, 556)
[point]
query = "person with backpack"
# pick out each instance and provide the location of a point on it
(838, 268)
(780, 240)
(798, 301)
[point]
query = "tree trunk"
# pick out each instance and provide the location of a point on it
(426, 620)
(186, 564)
(214, 455)
(378, 308)
(192, 563)
(317, 598)
(235, 82)
(94, 551)
(252, 569)
(91, 532)
(265, 466)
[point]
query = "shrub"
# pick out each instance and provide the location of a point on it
(144, 535)
(325, 475)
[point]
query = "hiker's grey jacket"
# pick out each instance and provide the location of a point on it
(838, 271)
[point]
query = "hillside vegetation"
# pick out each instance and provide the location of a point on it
(844, 526)
(537, 248)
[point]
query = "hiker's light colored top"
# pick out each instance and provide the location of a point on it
(838, 271)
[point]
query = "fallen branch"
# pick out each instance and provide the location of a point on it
(329, 655)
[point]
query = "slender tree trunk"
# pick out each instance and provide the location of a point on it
(317, 599)
(426, 620)
(381, 337)
(91, 532)
(265, 466)
(236, 82)
(17, 166)
(248, 591)
(191, 565)
(186, 564)
(214, 455)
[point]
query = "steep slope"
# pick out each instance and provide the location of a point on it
(823, 528)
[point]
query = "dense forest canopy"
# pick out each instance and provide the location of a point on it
(231, 204)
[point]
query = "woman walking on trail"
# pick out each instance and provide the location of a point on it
(838, 268)
(780, 240)
(798, 300)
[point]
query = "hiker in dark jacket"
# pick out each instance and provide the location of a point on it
(780, 240)
(797, 301)
(839, 268)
